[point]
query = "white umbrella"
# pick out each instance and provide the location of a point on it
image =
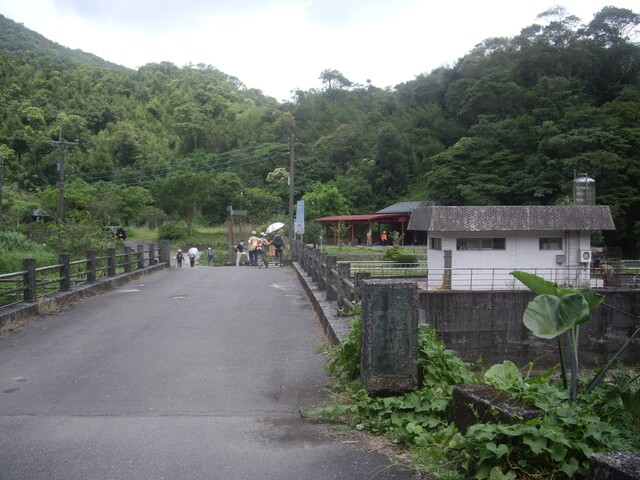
(193, 252)
(274, 226)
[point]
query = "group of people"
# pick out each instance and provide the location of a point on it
(260, 249)
(193, 253)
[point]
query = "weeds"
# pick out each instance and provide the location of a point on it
(555, 446)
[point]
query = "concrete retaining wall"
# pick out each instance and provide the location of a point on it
(488, 326)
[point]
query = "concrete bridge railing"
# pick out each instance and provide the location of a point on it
(488, 324)
(27, 292)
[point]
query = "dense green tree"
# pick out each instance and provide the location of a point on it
(511, 122)
(226, 189)
(262, 206)
(181, 195)
(395, 166)
(324, 200)
(333, 79)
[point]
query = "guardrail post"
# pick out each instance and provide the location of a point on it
(344, 269)
(359, 277)
(140, 256)
(165, 254)
(127, 259)
(91, 265)
(152, 258)
(111, 262)
(308, 259)
(313, 265)
(332, 262)
(332, 279)
(322, 263)
(65, 272)
(29, 266)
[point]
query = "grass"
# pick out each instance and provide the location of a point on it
(369, 253)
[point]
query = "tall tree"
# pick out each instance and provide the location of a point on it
(181, 195)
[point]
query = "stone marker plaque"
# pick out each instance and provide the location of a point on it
(389, 362)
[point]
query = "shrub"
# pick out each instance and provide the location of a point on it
(172, 231)
(16, 246)
(557, 445)
(406, 259)
(392, 253)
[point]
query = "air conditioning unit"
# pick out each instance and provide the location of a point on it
(585, 256)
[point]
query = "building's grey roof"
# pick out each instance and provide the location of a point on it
(511, 218)
(403, 207)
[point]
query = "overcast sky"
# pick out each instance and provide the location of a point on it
(279, 46)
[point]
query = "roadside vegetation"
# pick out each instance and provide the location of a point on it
(555, 446)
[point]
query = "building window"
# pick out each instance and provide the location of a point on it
(552, 243)
(436, 243)
(481, 244)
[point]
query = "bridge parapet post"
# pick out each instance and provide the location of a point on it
(311, 270)
(332, 278)
(344, 293)
(140, 256)
(322, 263)
(127, 259)
(152, 250)
(165, 253)
(389, 360)
(111, 262)
(29, 267)
(91, 265)
(65, 271)
(359, 277)
(328, 264)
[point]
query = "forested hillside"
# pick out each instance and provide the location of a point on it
(512, 122)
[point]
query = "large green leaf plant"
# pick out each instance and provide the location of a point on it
(556, 311)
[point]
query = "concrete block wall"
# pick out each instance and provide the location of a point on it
(488, 326)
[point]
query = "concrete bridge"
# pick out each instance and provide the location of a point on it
(185, 373)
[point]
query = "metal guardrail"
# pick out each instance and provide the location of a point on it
(340, 278)
(388, 268)
(33, 282)
(501, 278)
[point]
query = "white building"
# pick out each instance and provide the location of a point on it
(476, 248)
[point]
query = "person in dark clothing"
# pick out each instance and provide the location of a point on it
(278, 243)
(239, 248)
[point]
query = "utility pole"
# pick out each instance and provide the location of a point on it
(292, 170)
(62, 146)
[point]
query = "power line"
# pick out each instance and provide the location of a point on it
(237, 159)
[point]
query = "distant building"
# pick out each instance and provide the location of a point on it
(477, 247)
(39, 215)
(395, 216)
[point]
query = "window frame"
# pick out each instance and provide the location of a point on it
(481, 244)
(435, 243)
(550, 241)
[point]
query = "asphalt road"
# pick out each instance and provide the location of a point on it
(191, 373)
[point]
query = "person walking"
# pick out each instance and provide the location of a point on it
(192, 253)
(239, 248)
(253, 246)
(278, 244)
(209, 255)
(179, 258)
(263, 248)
